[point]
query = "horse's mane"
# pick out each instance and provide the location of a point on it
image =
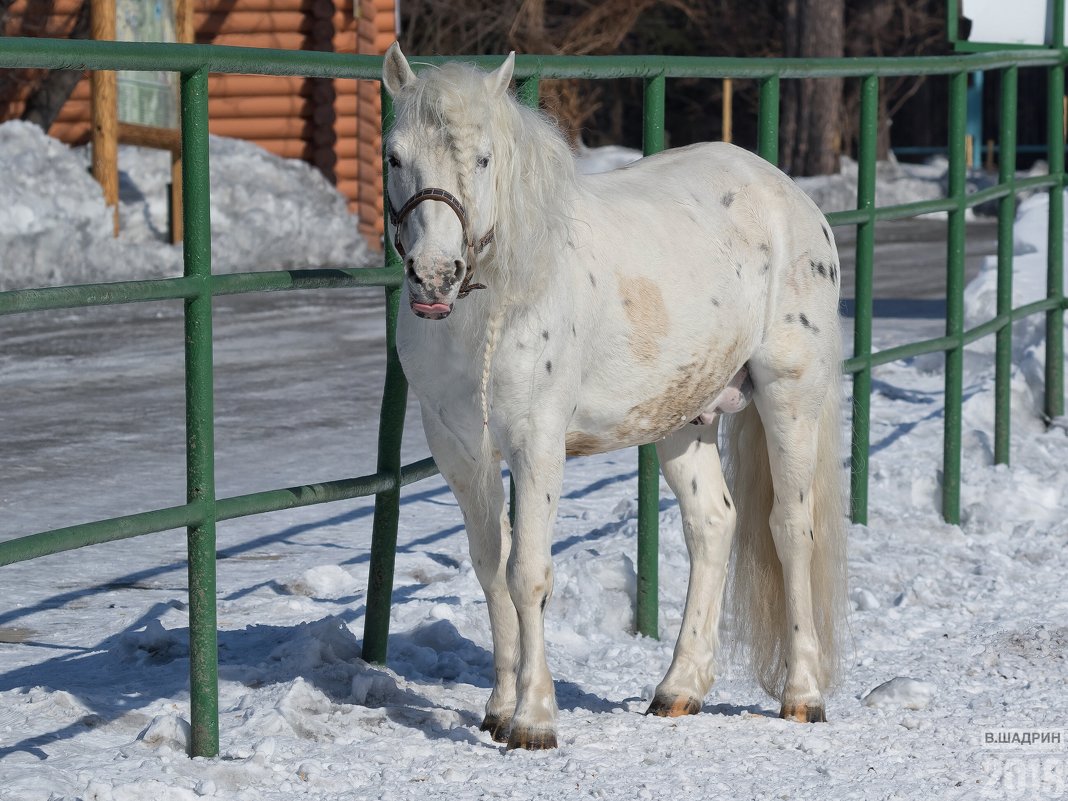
(533, 167)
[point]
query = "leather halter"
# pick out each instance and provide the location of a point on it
(397, 218)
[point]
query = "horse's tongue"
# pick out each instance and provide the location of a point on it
(430, 308)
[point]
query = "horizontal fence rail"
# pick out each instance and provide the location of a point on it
(198, 286)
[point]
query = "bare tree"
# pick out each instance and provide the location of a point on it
(818, 117)
(4, 6)
(891, 28)
(578, 27)
(47, 98)
(811, 123)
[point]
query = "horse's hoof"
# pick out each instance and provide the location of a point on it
(803, 713)
(665, 707)
(497, 727)
(532, 739)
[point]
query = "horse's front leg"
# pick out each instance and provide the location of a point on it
(537, 465)
(479, 492)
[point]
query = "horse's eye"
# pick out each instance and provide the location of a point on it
(483, 162)
(394, 162)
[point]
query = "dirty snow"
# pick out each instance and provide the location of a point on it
(965, 625)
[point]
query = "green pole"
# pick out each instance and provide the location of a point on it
(954, 379)
(528, 91)
(646, 613)
(1054, 401)
(390, 436)
(768, 120)
(862, 320)
(1006, 218)
(199, 415)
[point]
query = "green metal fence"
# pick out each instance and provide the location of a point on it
(198, 286)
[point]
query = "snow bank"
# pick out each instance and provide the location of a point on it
(267, 213)
(591, 160)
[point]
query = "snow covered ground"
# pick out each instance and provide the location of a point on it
(959, 631)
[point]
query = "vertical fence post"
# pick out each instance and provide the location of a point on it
(865, 265)
(646, 616)
(1006, 218)
(528, 91)
(768, 120)
(390, 436)
(954, 381)
(105, 104)
(200, 424)
(1054, 400)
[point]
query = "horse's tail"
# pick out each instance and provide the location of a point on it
(756, 598)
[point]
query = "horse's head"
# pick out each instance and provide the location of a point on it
(440, 189)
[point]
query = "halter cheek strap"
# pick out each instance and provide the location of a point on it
(397, 218)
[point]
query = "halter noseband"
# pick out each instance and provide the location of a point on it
(397, 218)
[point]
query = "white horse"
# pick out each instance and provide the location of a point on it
(609, 311)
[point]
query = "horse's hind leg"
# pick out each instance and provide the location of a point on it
(489, 539)
(690, 462)
(790, 402)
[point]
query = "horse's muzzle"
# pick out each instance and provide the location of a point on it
(431, 287)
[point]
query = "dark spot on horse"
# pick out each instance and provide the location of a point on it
(818, 267)
(593, 281)
(834, 273)
(765, 247)
(812, 535)
(727, 199)
(789, 318)
(802, 496)
(693, 485)
(715, 301)
(548, 498)
(573, 332)
(544, 600)
(827, 234)
(545, 335)
(796, 628)
(727, 500)
(765, 267)
(807, 324)
(549, 366)
(738, 268)
(693, 631)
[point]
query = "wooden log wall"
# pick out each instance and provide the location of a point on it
(331, 124)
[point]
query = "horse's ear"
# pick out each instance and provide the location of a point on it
(396, 73)
(502, 76)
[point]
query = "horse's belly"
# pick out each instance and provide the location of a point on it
(641, 406)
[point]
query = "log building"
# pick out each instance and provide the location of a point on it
(331, 124)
